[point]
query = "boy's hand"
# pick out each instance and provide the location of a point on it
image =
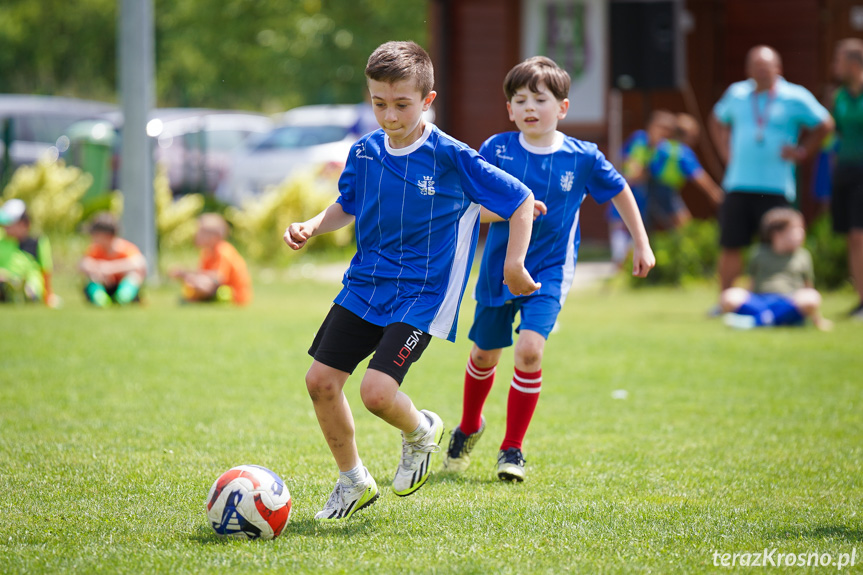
(643, 261)
(539, 209)
(297, 235)
(517, 278)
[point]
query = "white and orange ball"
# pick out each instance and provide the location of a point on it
(249, 502)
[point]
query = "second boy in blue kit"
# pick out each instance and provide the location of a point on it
(560, 171)
(415, 195)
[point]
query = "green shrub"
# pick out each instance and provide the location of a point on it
(52, 191)
(829, 254)
(259, 225)
(687, 254)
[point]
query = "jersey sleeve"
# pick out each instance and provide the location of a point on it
(810, 112)
(487, 152)
(348, 185)
(722, 109)
(604, 182)
(488, 185)
(689, 164)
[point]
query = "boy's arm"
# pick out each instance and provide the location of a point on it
(331, 219)
(516, 276)
(706, 184)
(642, 256)
(486, 216)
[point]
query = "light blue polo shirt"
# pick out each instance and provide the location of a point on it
(756, 164)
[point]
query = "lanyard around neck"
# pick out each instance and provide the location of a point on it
(761, 119)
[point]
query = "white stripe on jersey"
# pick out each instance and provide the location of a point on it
(446, 313)
(569, 263)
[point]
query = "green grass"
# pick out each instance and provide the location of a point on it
(114, 424)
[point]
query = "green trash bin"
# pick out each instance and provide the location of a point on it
(91, 148)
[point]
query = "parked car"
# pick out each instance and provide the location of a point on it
(39, 123)
(307, 136)
(195, 144)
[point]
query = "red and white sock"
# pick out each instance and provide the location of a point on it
(477, 385)
(523, 397)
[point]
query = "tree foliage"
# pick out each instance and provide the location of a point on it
(265, 55)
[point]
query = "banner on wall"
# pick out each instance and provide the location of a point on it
(573, 34)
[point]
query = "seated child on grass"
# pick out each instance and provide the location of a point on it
(782, 278)
(222, 274)
(114, 268)
(25, 260)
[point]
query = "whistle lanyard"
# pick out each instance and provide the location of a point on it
(761, 119)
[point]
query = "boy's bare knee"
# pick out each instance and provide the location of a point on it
(483, 358)
(320, 387)
(807, 300)
(528, 351)
(376, 395)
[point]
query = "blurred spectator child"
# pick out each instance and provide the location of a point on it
(672, 165)
(222, 274)
(114, 268)
(25, 261)
(782, 279)
(637, 153)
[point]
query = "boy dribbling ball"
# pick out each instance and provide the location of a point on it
(415, 195)
(560, 171)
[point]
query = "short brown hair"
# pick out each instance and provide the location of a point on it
(533, 71)
(104, 222)
(777, 220)
(396, 61)
(214, 224)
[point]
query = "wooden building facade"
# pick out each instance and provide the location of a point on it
(475, 42)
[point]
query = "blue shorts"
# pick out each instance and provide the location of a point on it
(492, 325)
(771, 309)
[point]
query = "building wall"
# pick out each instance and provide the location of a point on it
(477, 41)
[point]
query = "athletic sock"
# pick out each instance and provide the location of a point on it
(422, 429)
(97, 295)
(352, 476)
(127, 290)
(477, 385)
(523, 396)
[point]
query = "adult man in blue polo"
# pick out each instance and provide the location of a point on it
(756, 127)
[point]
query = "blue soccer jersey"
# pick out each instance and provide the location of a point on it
(561, 176)
(417, 223)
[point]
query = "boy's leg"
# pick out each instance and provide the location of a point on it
(128, 288)
(732, 299)
(422, 431)
(97, 294)
(807, 301)
(325, 386)
(478, 381)
(342, 341)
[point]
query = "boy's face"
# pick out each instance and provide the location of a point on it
(660, 128)
(536, 114)
(790, 239)
(205, 238)
(102, 239)
(19, 230)
(399, 108)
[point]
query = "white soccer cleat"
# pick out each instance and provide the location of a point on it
(510, 465)
(414, 468)
(345, 500)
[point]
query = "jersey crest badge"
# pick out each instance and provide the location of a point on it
(566, 181)
(426, 186)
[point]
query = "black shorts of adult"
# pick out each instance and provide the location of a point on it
(846, 202)
(740, 216)
(345, 339)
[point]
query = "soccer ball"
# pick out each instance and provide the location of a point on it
(249, 502)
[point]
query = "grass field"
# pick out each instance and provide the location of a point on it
(114, 424)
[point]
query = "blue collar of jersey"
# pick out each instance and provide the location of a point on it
(413, 147)
(542, 150)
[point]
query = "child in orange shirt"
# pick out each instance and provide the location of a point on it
(222, 274)
(114, 268)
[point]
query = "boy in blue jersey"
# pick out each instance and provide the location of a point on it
(415, 195)
(672, 165)
(560, 171)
